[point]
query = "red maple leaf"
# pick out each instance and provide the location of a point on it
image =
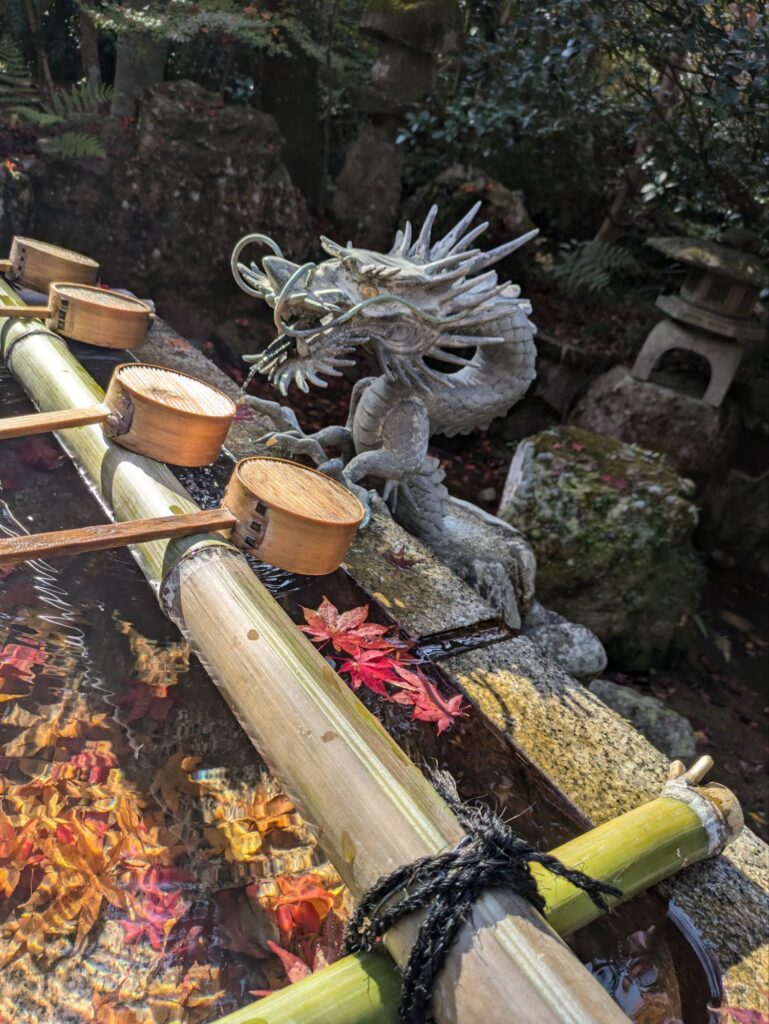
(302, 904)
(93, 765)
(293, 965)
(37, 453)
(18, 661)
(154, 917)
(415, 689)
(371, 668)
(348, 631)
(143, 700)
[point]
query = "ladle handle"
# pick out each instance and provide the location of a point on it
(28, 547)
(29, 311)
(43, 422)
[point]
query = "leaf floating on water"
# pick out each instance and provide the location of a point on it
(429, 706)
(40, 454)
(377, 660)
(347, 631)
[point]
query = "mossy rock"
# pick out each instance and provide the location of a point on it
(611, 528)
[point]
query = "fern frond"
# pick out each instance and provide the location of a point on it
(15, 81)
(593, 266)
(74, 145)
(81, 100)
(34, 116)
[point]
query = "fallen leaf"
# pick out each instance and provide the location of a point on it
(429, 705)
(347, 631)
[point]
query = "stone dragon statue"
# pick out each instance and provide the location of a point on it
(453, 348)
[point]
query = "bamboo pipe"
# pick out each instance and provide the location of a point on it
(634, 851)
(373, 809)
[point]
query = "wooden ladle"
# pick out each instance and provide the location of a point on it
(284, 513)
(37, 265)
(97, 316)
(164, 414)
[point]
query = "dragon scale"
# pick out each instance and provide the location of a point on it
(454, 349)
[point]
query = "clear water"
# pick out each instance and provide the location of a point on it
(106, 717)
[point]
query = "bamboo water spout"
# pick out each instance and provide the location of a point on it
(373, 809)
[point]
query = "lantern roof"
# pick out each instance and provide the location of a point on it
(720, 259)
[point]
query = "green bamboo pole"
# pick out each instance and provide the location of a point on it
(360, 989)
(635, 851)
(373, 809)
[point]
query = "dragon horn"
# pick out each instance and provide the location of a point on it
(450, 261)
(402, 241)
(447, 243)
(471, 236)
(422, 245)
(494, 255)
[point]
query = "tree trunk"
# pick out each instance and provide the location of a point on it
(291, 93)
(89, 47)
(44, 76)
(619, 215)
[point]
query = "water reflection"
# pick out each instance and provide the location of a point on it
(143, 845)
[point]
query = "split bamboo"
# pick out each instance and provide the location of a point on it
(372, 808)
(632, 852)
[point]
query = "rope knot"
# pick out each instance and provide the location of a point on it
(446, 886)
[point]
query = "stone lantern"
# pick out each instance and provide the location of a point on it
(712, 314)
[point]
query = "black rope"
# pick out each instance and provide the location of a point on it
(446, 886)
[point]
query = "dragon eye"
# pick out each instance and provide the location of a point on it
(368, 291)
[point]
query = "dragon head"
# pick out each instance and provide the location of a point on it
(420, 300)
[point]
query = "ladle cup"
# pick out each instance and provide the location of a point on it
(37, 265)
(96, 316)
(163, 414)
(284, 513)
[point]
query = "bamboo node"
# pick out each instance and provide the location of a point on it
(716, 806)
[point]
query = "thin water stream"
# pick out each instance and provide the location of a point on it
(108, 722)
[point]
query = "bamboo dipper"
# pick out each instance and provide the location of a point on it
(164, 414)
(37, 265)
(286, 514)
(96, 316)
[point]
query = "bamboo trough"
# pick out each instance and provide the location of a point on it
(373, 809)
(686, 824)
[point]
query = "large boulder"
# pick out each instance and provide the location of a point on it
(456, 188)
(697, 439)
(611, 529)
(663, 727)
(162, 212)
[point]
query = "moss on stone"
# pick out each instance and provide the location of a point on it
(610, 524)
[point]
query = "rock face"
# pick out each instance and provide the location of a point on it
(496, 560)
(578, 651)
(697, 438)
(163, 211)
(456, 189)
(664, 728)
(610, 525)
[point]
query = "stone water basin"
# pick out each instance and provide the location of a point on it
(108, 721)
